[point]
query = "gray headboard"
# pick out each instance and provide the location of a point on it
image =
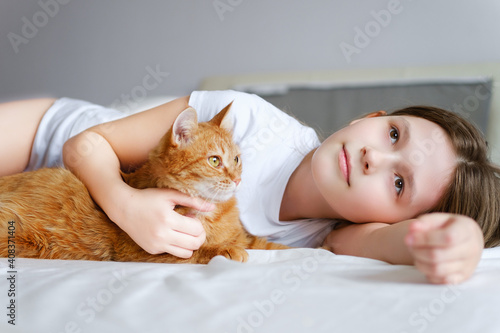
(328, 108)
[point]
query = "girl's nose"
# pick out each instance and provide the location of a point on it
(373, 159)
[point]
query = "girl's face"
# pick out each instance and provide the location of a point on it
(384, 168)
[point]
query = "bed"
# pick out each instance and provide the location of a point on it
(296, 290)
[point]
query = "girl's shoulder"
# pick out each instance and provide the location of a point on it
(256, 123)
(246, 108)
(207, 103)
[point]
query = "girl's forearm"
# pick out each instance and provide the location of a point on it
(97, 154)
(91, 158)
(372, 240)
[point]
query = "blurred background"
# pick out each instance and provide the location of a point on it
(100, 50)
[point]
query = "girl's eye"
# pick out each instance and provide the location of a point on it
(236, 160)
(398, 184)
(394, 134)
(214, 161)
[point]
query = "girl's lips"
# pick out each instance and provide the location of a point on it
(344, 164)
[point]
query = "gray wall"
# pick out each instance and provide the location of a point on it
(103, 51)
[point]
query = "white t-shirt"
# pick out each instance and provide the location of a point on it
(64, 119)
(272, 145)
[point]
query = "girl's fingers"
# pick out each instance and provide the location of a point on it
(448, 279)
(438, 238)
(187, 242)
(187, 225)
(431, 221)
(437, 230)
(432, 255)
(449, 272)
(195, 203)
(179, 252)
(181, 244)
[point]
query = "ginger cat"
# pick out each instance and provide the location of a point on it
(49, 213)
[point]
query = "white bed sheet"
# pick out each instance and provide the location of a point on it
(298, 290)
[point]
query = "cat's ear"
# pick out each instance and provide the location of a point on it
(184, 126)
(223, 118)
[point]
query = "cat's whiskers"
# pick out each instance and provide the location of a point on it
(217, 191)
(210, 199)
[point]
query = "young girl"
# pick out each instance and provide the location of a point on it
(381, 169)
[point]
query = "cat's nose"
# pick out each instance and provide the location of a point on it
(237, 181)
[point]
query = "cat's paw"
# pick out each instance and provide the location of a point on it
(236, 253)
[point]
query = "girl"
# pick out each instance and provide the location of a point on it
(381, 169)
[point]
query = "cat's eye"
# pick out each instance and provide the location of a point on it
(236, 160)
(214, 161)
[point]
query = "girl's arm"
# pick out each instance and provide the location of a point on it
(445, 247)
(96, 156)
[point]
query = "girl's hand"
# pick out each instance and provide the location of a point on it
(148, 217)
(445, 247)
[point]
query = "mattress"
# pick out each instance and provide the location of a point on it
(296, 290)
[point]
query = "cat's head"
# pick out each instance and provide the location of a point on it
(200, 159)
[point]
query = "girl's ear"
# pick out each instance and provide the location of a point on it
(380, 113)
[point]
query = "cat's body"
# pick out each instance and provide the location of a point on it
(49, 213)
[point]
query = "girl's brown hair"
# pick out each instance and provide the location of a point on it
(475, 189)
